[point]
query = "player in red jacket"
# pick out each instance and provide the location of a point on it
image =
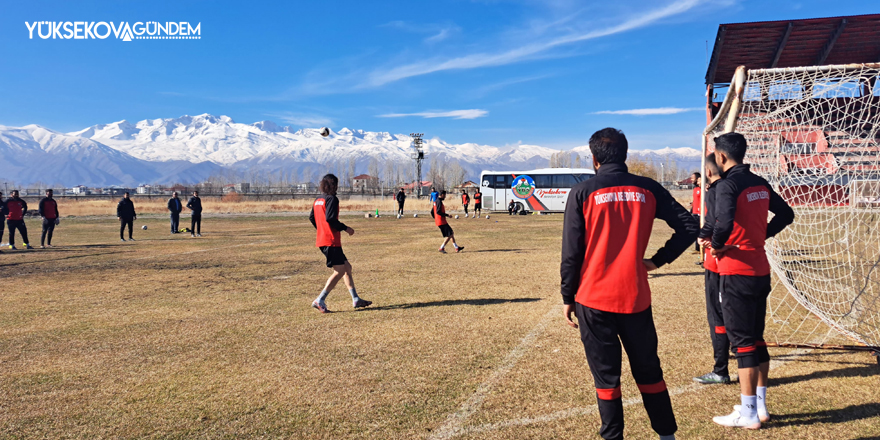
(325, 218)
(743, 202)
(720, 343)
(440, 215)
(478, 203)
(465, 201)
(605, 233)
(15, 209)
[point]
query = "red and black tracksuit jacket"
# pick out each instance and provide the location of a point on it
(607, 225)
(478, 198)
(695, 205)
(48, 208)
(608, 222)
(743, 202)
(15, 209)
(439, 213)
(325, 218)
(714, 315)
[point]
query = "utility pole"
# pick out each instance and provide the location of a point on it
(418, 155)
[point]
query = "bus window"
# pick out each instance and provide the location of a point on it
(564, 181)
(543, 180)
(503, 181)
(582, 177)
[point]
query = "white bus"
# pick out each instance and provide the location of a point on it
(544, 190)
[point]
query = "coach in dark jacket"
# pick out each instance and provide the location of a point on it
(175, 206)
(401, 198)
(126, 216)
(195, 204)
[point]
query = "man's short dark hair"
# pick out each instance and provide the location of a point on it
(608, 145)
(733, 145)
(712, 165)
(126, 193)
(697, 173)
(443, 193)
(329, 184)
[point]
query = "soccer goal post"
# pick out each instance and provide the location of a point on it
(814, 134)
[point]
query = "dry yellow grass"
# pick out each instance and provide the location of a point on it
(214, 205)
(172, 337)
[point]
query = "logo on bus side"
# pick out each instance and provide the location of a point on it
(523, 187)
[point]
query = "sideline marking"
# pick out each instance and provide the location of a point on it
(452, 427)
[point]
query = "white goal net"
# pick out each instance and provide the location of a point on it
(814, 134)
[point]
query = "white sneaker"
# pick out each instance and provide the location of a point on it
(735, 420)
(763, 416)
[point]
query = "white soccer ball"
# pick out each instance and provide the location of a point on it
(325, 132)
(456, 216)
(144, 227)
(487, 217)
(415, 215)
(399, 216)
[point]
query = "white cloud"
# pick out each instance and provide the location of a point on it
(649, 111)
(303, 120)
(454, 114)
(380, 77)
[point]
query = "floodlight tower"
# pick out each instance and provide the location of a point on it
(418, 155)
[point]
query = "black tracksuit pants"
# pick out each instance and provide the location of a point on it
(48, 228)
(400, 208)
(122, 224)
(720, 342)
(602, 333)
(465, 209)
(697, 243)
(2, 227)
(744, 306)
(22, 228)
(196, 226)
(175, 222)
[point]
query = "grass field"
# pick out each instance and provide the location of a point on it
(172, 337)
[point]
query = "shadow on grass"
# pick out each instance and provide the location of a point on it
(840, 415)
(497, 250)
(454, 302)
(868, 370)
(53, 260)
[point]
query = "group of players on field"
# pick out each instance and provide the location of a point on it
(13, 210)
(604, 273)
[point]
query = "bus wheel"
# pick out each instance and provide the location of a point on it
(519, 207)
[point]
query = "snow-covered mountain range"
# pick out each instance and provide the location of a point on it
(188, 149)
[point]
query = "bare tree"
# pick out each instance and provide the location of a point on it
(351, 172)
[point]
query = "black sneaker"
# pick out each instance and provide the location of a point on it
(712, 378)
(459, 249)
(361, 303)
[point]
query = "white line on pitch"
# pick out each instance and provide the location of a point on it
(449, 431)
(453, 425)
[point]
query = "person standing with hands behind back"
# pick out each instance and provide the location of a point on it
(195, 205)
(605, 233)
(175, 207)
(126, 216)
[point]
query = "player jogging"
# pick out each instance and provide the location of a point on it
(15, 210)
(606, 228)
(720, 343)
(49, 213)
(325, 218)
(743, 201)
(439, 214)
(478, 203)
(465, 201)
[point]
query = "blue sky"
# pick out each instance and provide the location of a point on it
(494, 72)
